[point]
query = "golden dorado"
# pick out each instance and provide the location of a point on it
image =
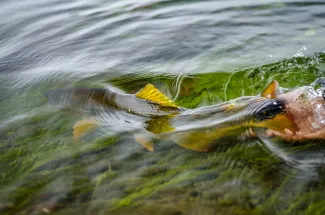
(195, 129)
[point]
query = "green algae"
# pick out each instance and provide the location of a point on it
(43, 170)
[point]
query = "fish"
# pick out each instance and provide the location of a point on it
(196, 129)
(146, 102)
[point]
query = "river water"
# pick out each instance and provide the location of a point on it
(198, 52)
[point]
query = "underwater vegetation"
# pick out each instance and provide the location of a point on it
(44, 171)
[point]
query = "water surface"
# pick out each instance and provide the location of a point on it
(198, 52)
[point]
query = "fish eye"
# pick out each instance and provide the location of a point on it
(269, 114)
(270, 110)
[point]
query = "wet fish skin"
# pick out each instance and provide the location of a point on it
(89, 97)
(168, 120)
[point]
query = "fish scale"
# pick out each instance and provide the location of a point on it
(195, 129)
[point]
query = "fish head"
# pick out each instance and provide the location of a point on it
(269, 111)
(264, 109)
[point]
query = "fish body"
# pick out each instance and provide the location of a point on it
(195, 129)
(107, 98)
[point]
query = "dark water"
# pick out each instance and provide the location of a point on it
(201, 53)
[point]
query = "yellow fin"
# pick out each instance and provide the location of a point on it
(151, 93)
(279, 123)
(194, 140)
(160, 125)
(201, 141)
(271, 90)
(83, 126)
(145, 141)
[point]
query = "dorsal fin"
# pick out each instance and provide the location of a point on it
(151, 93)
(271, 90)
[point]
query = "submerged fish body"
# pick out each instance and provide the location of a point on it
(195, 129)
(238, 121)
(88, 98)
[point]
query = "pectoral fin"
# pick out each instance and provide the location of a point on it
(82, 127)
(145, 141)
(201, 141)
(204, 139)
(151, 93)
(160, 125)
(194, 141)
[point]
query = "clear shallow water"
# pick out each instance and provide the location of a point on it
(53, 44)
(80, 38)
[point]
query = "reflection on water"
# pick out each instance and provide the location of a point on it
(198, 53)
